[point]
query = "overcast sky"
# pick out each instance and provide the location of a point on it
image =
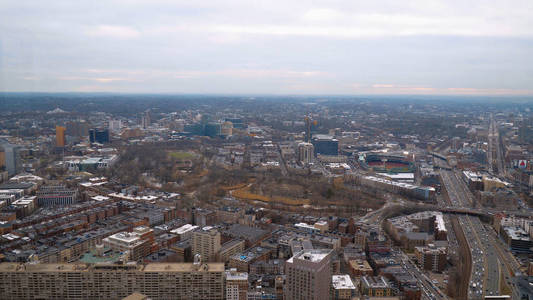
(268, 47)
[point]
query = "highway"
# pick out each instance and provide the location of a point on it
(485, 273)
(429, 289)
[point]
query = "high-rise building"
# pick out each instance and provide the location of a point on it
(325, 145)
(2, 159)
(308, 275)
(212, 129)
(100, 136)
(60, 136)
(305, 153)
(206, 242)
(115, 125)
(78, 128)
(11, 157)
(146, 119)
(226, 129)
(112, 281)
(236, 122)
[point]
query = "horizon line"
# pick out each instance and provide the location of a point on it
(271, 94)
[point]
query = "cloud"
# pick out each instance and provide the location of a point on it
(406, 89)
(120, 32)
(386, 46)
(322, 14)
(96, 79)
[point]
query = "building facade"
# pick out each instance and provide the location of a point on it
(60, 136)
(206, 242)
(56, 195)
(308, 275)
(305, 153)
(109, 281)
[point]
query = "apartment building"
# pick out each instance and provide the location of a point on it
(206, 242)
(308, 275)
(110, 281)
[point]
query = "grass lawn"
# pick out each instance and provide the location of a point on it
(181, 155)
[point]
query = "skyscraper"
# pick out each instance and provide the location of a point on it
(115, 125)
(78, 128)
(308, 275)
(325, 145)
(305, 152)
(99, 136)
(11, 157)
(60, 136)
(146, 119)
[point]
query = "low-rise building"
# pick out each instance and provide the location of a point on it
(360, 267)
(376, 286)
(133, 242)
(342, 287)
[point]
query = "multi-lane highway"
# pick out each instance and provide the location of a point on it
(429, 289)
(485, 273)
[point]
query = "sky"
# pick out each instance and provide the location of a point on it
(450, 47)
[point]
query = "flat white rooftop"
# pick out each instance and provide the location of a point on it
(342, 282)
(230, 275)
(184, 229)
(312, 255)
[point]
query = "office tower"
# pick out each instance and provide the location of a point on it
(2, 158)
(236, 122)
(325, 145)
(112, 281)
(305, 153)
(60, 136)
(206, 242)
(100, 136)
(308, 275)
(115, 125)
(212, 129)
(226, 129)
(78, 128)
(146, 119)
(236, 285)
(11, 157)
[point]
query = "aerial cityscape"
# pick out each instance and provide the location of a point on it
(266, 150)
(237, 197)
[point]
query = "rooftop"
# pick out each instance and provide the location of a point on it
(342, 282)
(152, 267)
(233, 275)
(184, 229)
(312, 255)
